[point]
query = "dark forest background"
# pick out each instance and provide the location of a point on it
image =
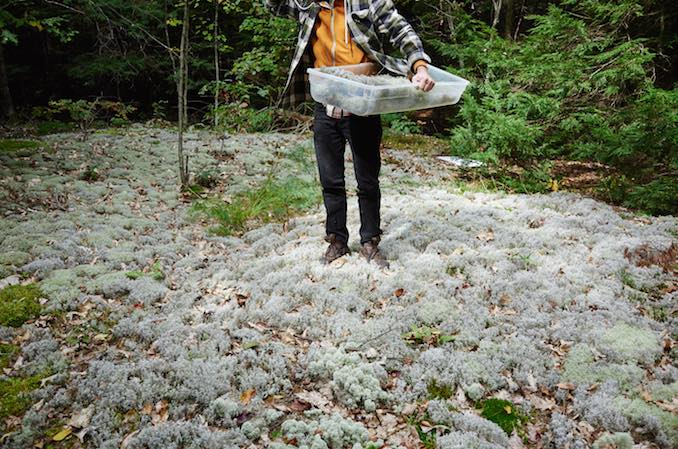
(581, 80)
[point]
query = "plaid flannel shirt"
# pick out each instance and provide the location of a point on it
(368, 22)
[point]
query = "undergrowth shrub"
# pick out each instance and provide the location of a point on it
(83, 112)
(235, 117)
(577, 85)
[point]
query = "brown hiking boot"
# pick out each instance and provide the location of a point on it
(370, 250)
(335, 250)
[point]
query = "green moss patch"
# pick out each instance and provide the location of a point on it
(18, 304)
(504, 414)
(14, 394)
(53, 126)
(7, 145)
(274, 200)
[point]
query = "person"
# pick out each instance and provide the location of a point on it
(344, 32)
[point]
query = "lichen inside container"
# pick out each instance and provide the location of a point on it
(371, 80)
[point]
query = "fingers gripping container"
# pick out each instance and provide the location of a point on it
(364, 99)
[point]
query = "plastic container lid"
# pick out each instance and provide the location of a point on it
(364, 99)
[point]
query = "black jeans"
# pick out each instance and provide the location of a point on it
(364, 136)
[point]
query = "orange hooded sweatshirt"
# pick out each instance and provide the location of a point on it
(332, 43)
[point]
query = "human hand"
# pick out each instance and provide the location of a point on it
(422, 80)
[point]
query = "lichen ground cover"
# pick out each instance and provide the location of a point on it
(155, 333)
(373, 80)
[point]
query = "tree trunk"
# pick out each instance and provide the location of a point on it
(181, 92)
(6, 105)
(496, 10)
(521, 14)
(508, 19)
(216, 62)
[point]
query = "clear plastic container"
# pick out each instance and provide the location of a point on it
(363, 99)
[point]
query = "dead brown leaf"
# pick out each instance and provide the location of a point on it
(160, 412)
(242, 298)
(299, 406)
(247, 396)
(487, 236)
(313, 398)
(671, 407)
(541, 403)
(127, 440)
(258, 326)
(81, 418)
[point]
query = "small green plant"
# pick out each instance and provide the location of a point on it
(7, 353)
(207, 178)
(627, 279)
(426, 431)
(504, 414)
(160, 109)
(428, 439)
(135, 274)
(18, 304)
(426, 334)
(119, 122)
(523, 260)
(81, 112)
(90, 174)
(453, 270)
(400, 123)
(275, 434)
(658, 314)
(614, 188)
(439, 391)
(535, 179)
(154, 271)
(303, 155)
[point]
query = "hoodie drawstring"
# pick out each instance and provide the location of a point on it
(347, 11)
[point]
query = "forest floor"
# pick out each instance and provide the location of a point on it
(505, 320)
